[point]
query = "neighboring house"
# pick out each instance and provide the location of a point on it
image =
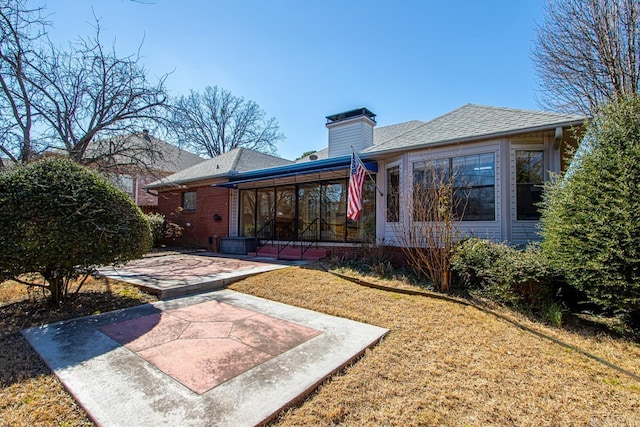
(135, 161)
(501, 155)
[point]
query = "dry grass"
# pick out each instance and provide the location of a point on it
(30, 395)
(446, 364)
(442, 363)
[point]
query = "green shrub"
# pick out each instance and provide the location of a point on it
(62, 220)
(591, 218)
(504, 274)
(474, 260)
(157, 225)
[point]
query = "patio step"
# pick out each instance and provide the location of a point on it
(288, 253)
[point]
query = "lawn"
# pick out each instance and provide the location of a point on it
(441, 363)
(30, 395)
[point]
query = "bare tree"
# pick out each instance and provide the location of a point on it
(215, 121)
(88, 92)
(429, 232)
(586, 53)
(63, 100)
(20, 30)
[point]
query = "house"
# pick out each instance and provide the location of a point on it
(134, 161)
(500, 155)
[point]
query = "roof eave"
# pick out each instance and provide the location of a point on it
(550, 126)
(176, 183)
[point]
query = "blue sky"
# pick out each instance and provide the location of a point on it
(304, 60)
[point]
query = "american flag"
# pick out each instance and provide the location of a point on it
(356, 182)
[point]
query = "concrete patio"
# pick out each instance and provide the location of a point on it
(215, 358)
(170, 276)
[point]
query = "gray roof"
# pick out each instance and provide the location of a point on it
(386, 133)
(380, 135)
(145, 149)
(173, 158)
(236, 160)
(320, 155)
(475, 122)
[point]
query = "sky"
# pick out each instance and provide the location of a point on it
(301, 61)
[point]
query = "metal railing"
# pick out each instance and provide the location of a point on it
(285, 237)
(289, 227)
(262, 240)
(311, 235)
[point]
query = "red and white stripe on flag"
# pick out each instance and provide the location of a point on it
(356, 183)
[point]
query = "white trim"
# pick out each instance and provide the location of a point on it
(233, 212)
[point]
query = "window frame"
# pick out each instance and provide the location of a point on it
(390, 196)
(449, 161)
(184, 201)
(539, 184)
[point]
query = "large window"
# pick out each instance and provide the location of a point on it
(247, 213)
(333, 211)
(393, 194)
(470, 179)
(529, 179)
(265, 213)
(309, 212)
(285, 212)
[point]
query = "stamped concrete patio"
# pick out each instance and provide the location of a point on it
(216, 358)
(173, 275)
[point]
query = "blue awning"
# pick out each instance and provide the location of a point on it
(298, 169)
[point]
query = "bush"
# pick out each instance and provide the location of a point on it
(591, 218)
(62, 220)
(157, 225)
(504, 274)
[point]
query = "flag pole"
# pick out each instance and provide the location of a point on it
(366, 170)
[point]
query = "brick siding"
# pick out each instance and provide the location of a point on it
(199, 225)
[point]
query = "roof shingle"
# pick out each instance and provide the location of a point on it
(474, 122)
(237, 159)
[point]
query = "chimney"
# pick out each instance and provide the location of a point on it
(351, 128)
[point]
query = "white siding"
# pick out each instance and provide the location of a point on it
(342, 135)
(233, 213)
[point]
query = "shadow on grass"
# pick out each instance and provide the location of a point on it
(585, 325)
(18, 360)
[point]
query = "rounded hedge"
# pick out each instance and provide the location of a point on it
(60, 218)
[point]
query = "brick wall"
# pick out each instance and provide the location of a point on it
(142, 197)
(199, 225)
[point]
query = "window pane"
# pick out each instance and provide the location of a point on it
(474, 187)
(124, 183)
(285, 212)
(309, 211)
(189, 201)
(334, 211)
(248, 211)
(529, 179)
(265, 213)
(364, 229)
(393, 194)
